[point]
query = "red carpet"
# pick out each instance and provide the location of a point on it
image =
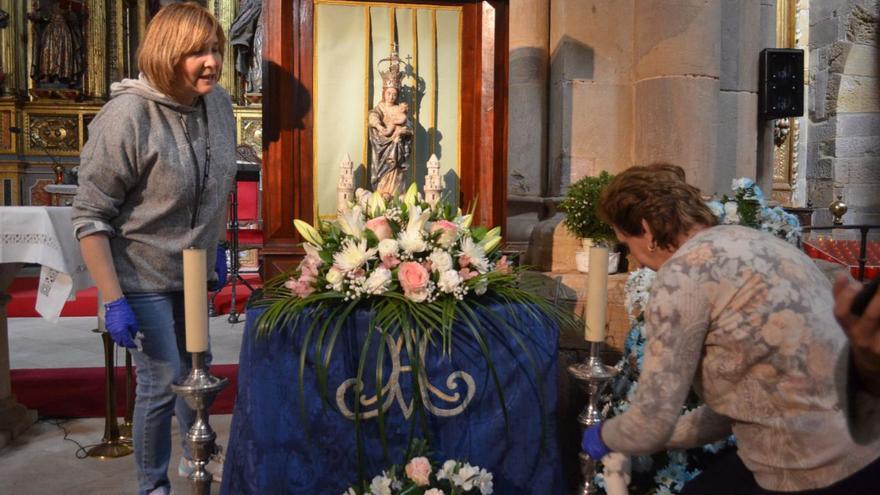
(79, 392)
(24, 294)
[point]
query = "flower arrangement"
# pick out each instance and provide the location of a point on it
(580, 205)
(748, 207)
(422, 271)
(668, 472)
(420, 477)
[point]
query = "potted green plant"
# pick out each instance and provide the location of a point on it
(582, 220)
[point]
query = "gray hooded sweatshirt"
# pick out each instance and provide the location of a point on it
(141, 181)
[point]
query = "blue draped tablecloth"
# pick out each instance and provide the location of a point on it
(279, 446)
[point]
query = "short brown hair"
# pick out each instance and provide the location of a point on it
(659, 195)
(176, 31)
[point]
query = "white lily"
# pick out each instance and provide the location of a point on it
(464, 221)
(351, 221)
(376, 205)
(353, 255)
(491, 245)
(309, 233)
(409, 198)
(491, 240)
(412, 240)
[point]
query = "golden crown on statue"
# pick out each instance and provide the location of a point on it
(391, 75)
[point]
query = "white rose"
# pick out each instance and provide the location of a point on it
(449, 280)
(378, 281)
(441, 261)
(388, 247)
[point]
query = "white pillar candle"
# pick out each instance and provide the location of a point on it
(597, 294)
(195, 299)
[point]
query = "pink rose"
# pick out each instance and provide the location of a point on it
(380, 227)
(419, 470)
(449, 232)
(412, 276)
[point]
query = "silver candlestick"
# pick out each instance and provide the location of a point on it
(199, 391)
(593, 376)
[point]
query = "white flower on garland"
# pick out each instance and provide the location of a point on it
(335, 277)
(450, 280)
(351, 221)
(354, 254)
(378, 281)
(441, 261)
(476, 255)
(465, 477)
(381, 485)
(388, 247)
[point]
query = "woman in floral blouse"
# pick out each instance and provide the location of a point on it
(747, 320)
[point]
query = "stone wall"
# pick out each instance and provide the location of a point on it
(843, 156)
(604, 84)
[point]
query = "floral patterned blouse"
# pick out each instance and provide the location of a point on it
(747, 320)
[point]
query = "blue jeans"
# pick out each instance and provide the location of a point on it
(162, 361)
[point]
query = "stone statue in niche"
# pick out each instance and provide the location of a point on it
(58, 45)
(246, 36)
(390, 132)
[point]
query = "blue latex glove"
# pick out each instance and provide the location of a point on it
(592, 443)
(120, 322)
(220, 267)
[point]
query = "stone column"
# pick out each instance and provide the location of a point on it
(676, 79)
(741, 45)
(591, 46)
(14, 418)
(527, 116)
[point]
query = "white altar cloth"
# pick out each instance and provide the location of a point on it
(44, 235)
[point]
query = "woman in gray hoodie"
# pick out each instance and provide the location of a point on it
(154, 177)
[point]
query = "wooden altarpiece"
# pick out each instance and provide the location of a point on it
(288, 171)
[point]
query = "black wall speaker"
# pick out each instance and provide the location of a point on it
(782, 83)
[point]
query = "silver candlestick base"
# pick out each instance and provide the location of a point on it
(199, 391)
(593, 376)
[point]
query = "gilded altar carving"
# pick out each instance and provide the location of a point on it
(54, 133)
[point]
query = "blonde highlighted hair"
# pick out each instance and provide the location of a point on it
(176, 31)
